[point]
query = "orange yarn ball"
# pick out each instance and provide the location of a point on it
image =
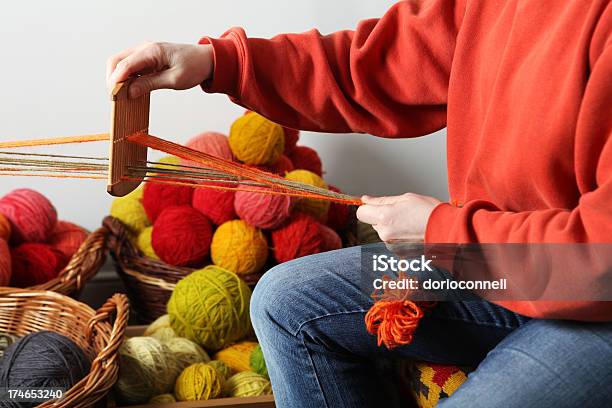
(5, 228)
(260, 210)
(67, 238)
(217, 205)
(213, 143)
(181, 236)
(301, 236)
(306, 158)
(157, 197)
(31, 214)
(5, 263)
(35, 263)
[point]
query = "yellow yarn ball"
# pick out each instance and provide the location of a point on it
(186, 352)
(198, 382)
(164, 334)
(210, 307)
(159, 323)
(222, 369)
(247, 384)
(239, 247)
(143, 242)
(131, 213)
(237, 356)
(162, 399)
(171, 160)
(256, 140)
(136, 194)
(146, 369)
(316, 208)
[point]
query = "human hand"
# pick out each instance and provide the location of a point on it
(161, 66)
(402, 217)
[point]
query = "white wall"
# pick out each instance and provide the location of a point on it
(52, 83)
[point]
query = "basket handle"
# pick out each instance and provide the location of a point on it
(119, 241)
(119, 306)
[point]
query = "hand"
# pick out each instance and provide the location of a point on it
(161, 66)
(401, 217)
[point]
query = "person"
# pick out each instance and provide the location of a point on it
(525, 91)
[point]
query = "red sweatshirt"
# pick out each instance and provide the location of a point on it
(523, 87)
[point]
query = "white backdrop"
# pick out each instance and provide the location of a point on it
(52, 83)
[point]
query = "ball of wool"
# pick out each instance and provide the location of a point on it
(217, 205)
(237, 356)
(34, 264)
(158, 197)
(339, 215)
(181, 236)
(222, 369)
(31, 214)
(136, 194)
(291, 138)
(283, 166)
(167, 162)
(261, 210)
(198, 382)
(301, 236)
(256, 140)
(162, 399)
(210, 307)
(239, 247)
(331, 239)
(43, 359)
(131, 213)
(146, 369)
(316, 208)
(257, 362)
(247, 384)
(159, 323)
(306, 158)
(186, 352)
(213, 143)
(5, 263)
(164, 334)
(144, 243)
(5, 228)
(67, 238)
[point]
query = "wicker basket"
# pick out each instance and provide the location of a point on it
(149, 282)
(26, 311)
(83, 265)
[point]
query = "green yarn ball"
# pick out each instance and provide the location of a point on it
(211, 308)
(258, 364)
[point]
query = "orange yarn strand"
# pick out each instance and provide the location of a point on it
(55, 141)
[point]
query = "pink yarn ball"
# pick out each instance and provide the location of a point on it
(217, 205)
(265, 211)
(31, 214)
(67, 238)
(5, 263)
(213, 143)
(331, 239)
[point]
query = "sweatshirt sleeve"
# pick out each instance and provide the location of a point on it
(389, 77)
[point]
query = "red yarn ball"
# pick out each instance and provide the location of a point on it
(157, 197)
(31, 214)
(331, 239)
(5, 263)
(291, 138)
(306, 158)
(67, 238)
(181, 236)
(217, 205)
(213, 143)
(260, 210)
(283, 166)
(339, 215)
(301, 236)
(35, 263)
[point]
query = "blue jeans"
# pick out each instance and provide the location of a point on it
(309, 317)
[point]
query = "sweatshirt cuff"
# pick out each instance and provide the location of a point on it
(439, 224)
(226, 72)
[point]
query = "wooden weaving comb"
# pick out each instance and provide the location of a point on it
(129, 116)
